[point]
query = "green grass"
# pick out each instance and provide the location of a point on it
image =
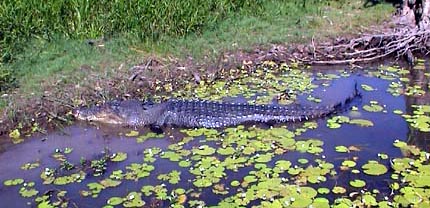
(67, 60)
(281, 23)
(24, 19)
(277, 22)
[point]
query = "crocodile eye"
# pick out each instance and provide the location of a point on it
(147, 106)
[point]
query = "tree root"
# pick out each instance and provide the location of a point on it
(399, 43)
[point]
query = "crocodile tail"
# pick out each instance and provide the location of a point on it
(344, 105)
(313, 112)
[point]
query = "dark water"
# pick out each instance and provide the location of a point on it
(89, 141)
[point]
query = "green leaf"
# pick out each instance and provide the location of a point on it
(338, 190)
(13, 182)
(348, 163)
(115, 201)
(342, 149)
(132, 133)
(361, 122)
(357, 183)
(118, 157)
(374, 168)
(367, 87)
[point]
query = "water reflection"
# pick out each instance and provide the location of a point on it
(418, 77)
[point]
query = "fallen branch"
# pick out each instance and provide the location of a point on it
(399, 43)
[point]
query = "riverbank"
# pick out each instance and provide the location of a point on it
(56, 76)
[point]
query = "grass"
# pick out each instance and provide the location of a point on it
(24, 19)
(281, 22)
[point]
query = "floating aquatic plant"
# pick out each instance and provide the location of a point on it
(373, 107)
(172, 177)
(374, 168)
(29, 166)
(367, 87)
(13, 182)
(357, 183)
(118, 157)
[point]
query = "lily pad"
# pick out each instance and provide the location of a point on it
(373, 107)
(323, 190)
(13, 182)
(341, 149)
(357, 183)
(184, 163)
(118, 157)
(115, 201)
(132, 133)
(348, 163)
(204, 150)
(367, 87)
(28, 192)
(133, 199)
(202, 182)
(361, 122)
(235, 183)
(374, 168)
(29, 166)
(338, 190)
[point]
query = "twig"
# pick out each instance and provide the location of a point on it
(364, 49)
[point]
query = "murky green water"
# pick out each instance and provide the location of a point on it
(287, 164)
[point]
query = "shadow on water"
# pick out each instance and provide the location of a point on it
(90, 141)
(418, 78)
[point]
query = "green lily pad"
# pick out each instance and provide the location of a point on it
(132, 133)
(29, 166)
(398, 112)
(369, 200)
(28, 192)
(374, 168)
(147, 136)
(338, 190)
(300, 201)
(114, 201)
(303, 161)
(204, 150)
(13, 182)
(373, 107)
(348, 163)
(357, 183)
(321, 203)
(361, 122)
(341, 149)
(110, 183)
(118, 157)
(367, 87)
(172, 156)
(184, 163)
(202, 182)
(68, 150)
(264, 158)
(383, 156)
(323, 190)
(226, 151)
(172, 177)
(133, 199)
(235, 183)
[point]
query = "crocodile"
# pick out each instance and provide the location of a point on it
(202, 113)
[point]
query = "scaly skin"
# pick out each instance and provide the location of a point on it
(198, 113)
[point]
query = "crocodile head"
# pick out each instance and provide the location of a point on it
(131, 112)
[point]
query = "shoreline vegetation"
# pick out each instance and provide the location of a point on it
(85, 53)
